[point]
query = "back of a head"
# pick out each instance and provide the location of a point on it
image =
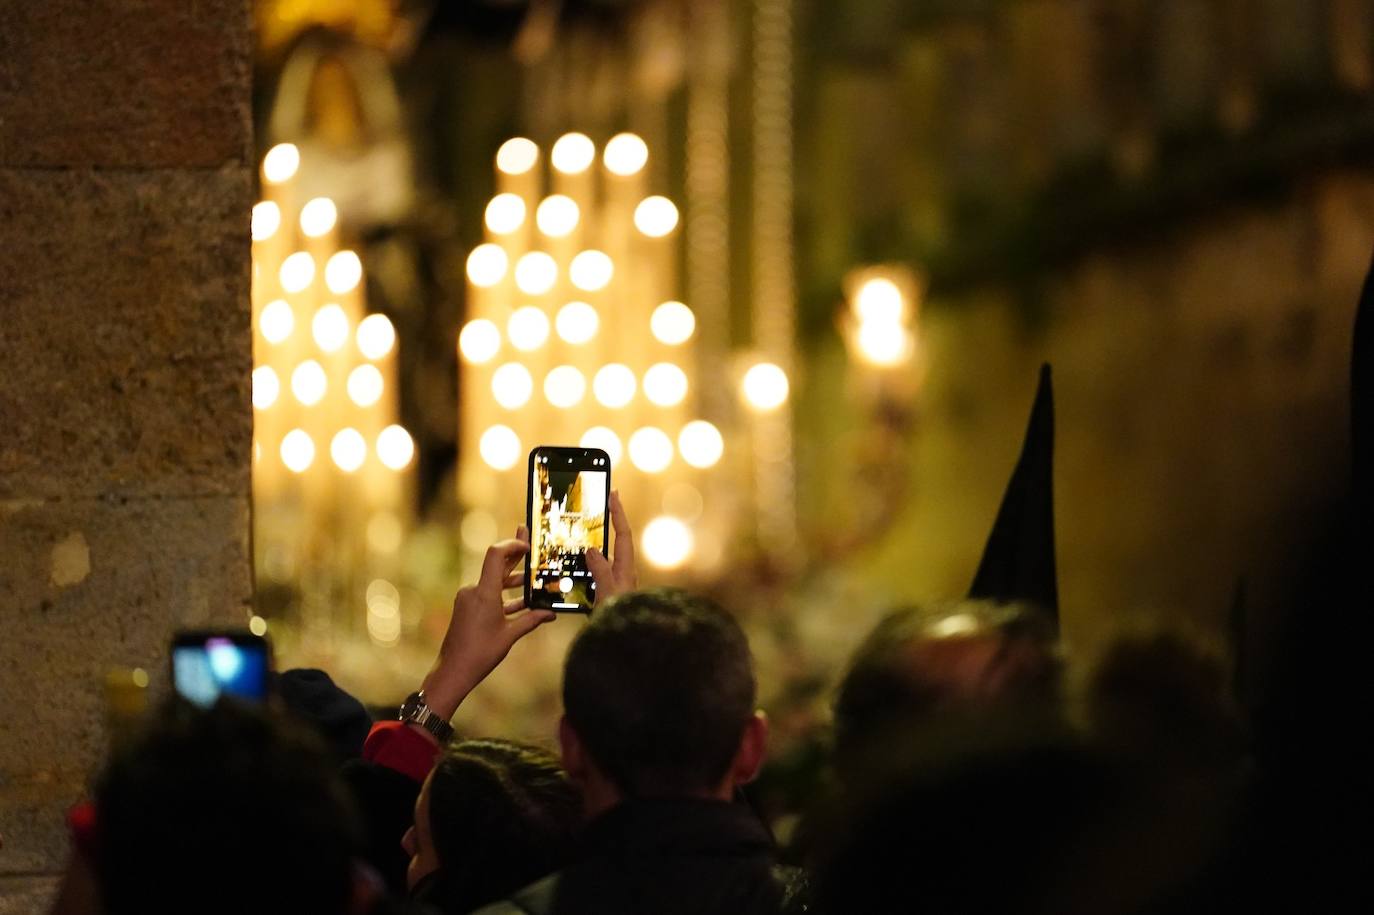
(919, 664)
(231, 809)
(502, 815)
(659, 687)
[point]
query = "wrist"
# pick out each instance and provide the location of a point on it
(445, 690)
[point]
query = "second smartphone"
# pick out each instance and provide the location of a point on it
(567, 509)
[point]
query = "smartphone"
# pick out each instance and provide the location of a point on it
(567, 510)
(210, 664)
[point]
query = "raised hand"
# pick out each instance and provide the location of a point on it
(483, 627)
(615, 576)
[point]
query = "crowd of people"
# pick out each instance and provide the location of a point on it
(974, 768)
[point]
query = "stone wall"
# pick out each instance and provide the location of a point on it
(125, 420)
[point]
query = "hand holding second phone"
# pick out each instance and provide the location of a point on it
(615, 577)
(483, 628)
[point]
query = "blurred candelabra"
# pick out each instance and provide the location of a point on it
(574, 336)
(330, 463)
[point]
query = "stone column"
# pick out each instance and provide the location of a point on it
(125, 354)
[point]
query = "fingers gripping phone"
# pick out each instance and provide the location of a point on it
(207, 665)
(567, 510)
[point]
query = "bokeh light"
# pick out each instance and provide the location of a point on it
(667, 542)
(883, 344)
(276, 321)
(656, 216)
(591, 270)
(625, 154)
(499, 447)
(376, 336)
(879, 300)
(511, 385)
(573, 153)
(672, 323)
(650, 449)
(557, 216)
(535, 273)
(517, 156)
(577, 322)
(527, 328)
(765, 387)
(665, 384)
(395, 447)
(330, 328)
(614, 385)
(297, 451)
(348, 449)
(700, 444)
(318, 216)
(604, 438)
(365, 385)
(505, 213)
(565, 386)
(266, 387)
(479, 341)
(266, 220)
(343, 272)
(308, 382)
(280, 163)
(297, 272)
(487, 265)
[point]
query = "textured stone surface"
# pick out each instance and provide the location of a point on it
(152, 565)
(26, 895)
(124, 83)
(125, 330)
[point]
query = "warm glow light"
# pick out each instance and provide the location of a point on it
(605, 439)
(330, 328)
(479, 341)
(573, 153)
(883, 344)
(297, 272)
(348, 449)
(343, 272)
(765, 387)
(511, 385)
(505, 213)
(665, 384)
(591, 270)
(656, 216)
(879, 301)
(281, 163)
(527, 328)
(257, 625)
(700, 444)
(376, 336)
(276, 321)
(565, 386)
(535, 273)
(499, 447)
(266, 220)
(487, 265)
(614, 385)
(365, 385)
(318, 216)
(625, 154)
(577, 322)
(395, 447)
(557, 216)
(667, 542)
(308, 382)
(651, 450)
(266, 387)
(297, 451)
(517, 156)
(673, 323)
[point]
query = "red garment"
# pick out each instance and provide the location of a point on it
(398, 746)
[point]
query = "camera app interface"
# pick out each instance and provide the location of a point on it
(570, 515)
(203, 672)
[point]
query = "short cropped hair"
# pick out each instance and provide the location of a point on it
(659, 687)
(225, 810)
(501, 814)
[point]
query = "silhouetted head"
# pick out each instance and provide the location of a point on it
(492, 817)
(921, 663)
(225, 810)
(658, 693)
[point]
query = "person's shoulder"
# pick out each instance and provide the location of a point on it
(535, 899)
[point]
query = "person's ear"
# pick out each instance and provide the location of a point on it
(574, 756)
(753, 747)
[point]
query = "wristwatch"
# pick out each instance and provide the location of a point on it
(415, 710)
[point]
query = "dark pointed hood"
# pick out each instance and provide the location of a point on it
(1018, 560)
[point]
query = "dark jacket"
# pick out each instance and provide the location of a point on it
(667, 857)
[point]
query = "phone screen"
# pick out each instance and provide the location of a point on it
(568, 511)
(207, 665)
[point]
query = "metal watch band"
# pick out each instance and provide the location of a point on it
(425, 717)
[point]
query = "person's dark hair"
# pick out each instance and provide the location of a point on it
(501, 815)
(659, 687)
(226, 810)
(919, 662)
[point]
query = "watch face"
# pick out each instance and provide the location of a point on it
(411, 706)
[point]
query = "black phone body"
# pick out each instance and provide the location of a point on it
(207, 664)
(567, 510)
